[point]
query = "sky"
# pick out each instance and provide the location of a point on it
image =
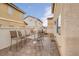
(38, 10)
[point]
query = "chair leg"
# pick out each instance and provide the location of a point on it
(16, 44)
(21, 43)
(11, 45)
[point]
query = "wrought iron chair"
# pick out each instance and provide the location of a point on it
(21, 37)
(13, 35)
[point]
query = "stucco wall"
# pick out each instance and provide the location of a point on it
(33, 22)
(9, 22)
(50, 26)
(4, 12)
(68, 41)
(5, 38)
(14, 17)
(59, 38)
(70, 19)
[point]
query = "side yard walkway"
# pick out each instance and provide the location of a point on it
(42, 47)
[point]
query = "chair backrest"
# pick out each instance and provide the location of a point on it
(20, 34)
(13, 34)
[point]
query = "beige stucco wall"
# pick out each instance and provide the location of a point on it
(71, 23)
(5, 38)
(59, 38)
(69, 38)
(9, 23)
(50, 26)
(15, 16)
(33, 23)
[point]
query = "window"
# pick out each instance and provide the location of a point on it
(10, 10)
(58, 24)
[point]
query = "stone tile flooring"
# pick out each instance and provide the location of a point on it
(43, 47)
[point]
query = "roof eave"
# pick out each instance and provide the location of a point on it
(14, 6)
(34, 17)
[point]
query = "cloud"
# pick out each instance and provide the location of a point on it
(47, 14)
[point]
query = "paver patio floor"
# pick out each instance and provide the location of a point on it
(36, 48)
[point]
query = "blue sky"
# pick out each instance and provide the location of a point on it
(38, 10)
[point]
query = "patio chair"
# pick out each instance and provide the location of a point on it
(22, 38)
(13, 35)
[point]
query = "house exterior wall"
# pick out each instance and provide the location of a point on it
(68, 41)
(9, 23)
(50, 23)
(60, 42)
(5, 38)
(33, 23)
(50, 26)
(14, 17)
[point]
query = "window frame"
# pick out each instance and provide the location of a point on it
(58, 24)
(10, 10)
